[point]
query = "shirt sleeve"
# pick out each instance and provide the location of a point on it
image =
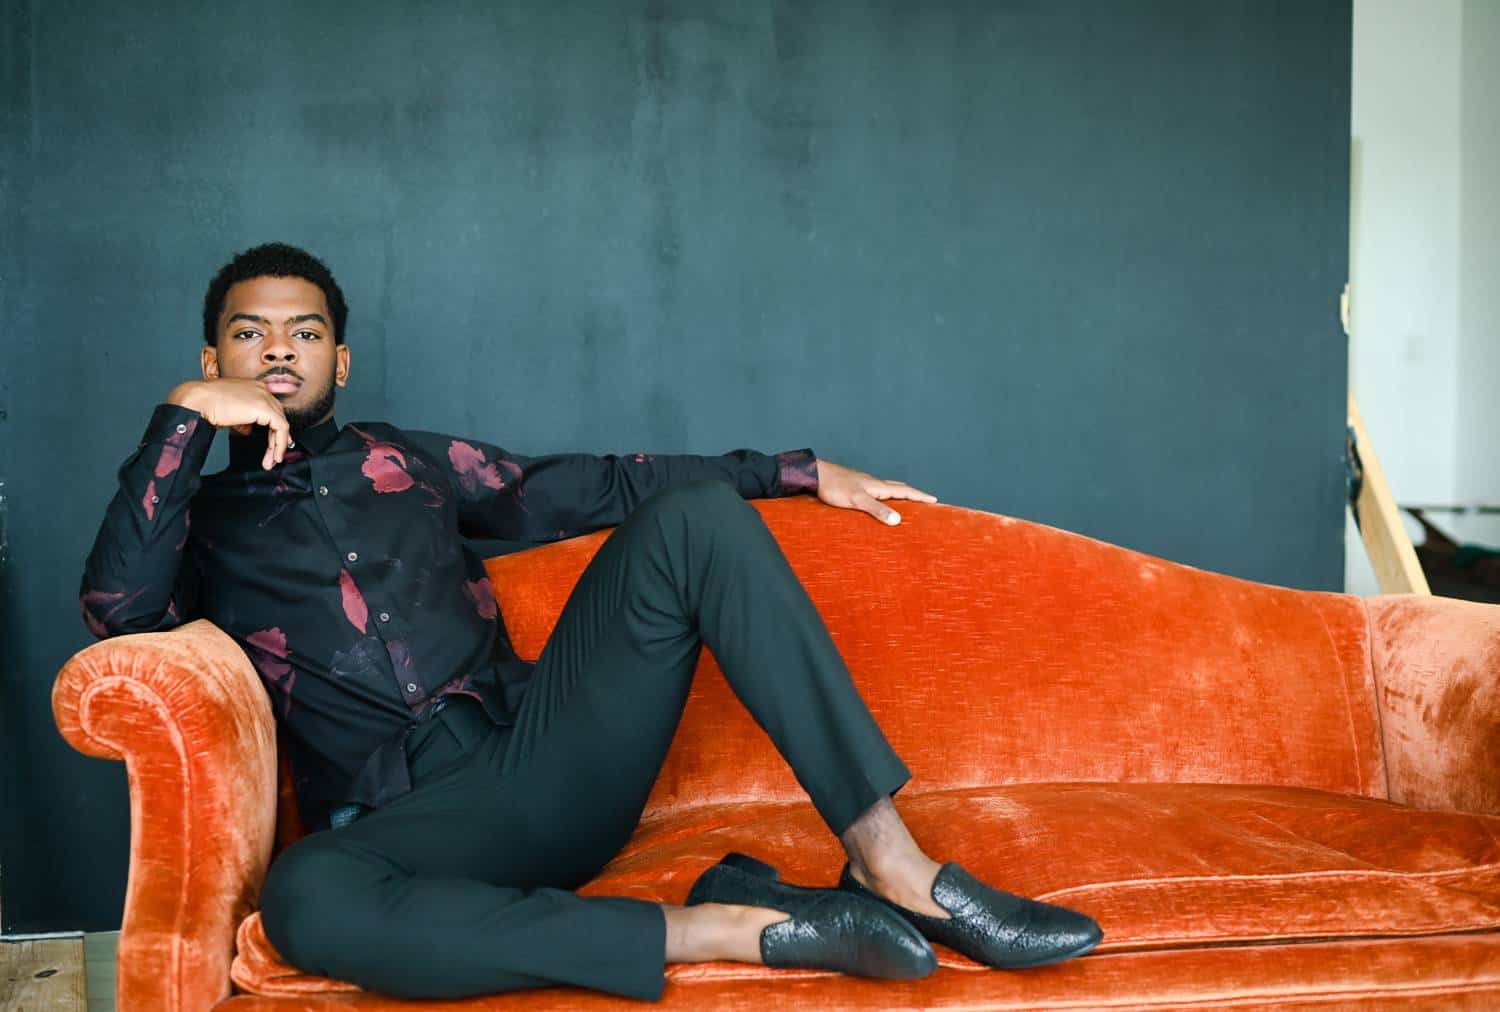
(506, 495)
(134, 579)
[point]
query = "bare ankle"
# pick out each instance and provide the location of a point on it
(713, 931)
(885, 859)
(880, 847)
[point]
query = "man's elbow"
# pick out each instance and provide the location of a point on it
(107, 613)
(96, 625)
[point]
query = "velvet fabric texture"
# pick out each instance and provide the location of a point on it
(1214, 769)
(1437, 665)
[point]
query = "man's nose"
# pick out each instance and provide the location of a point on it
(278, 349)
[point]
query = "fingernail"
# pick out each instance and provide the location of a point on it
(893, 518)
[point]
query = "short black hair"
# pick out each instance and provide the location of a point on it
(277, 260)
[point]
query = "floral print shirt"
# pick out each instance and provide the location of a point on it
(343, 573)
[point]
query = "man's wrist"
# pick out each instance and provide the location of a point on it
(186, 394)
(797, 471)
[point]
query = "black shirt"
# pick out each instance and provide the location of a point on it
(343, 574)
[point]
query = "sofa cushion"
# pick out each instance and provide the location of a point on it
(1159, 865)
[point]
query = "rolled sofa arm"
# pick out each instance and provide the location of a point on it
(186, 712)
(1437, 677)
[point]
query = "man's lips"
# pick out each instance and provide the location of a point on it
(281, 384)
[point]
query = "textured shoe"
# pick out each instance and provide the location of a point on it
(828, 930)
(989, 926)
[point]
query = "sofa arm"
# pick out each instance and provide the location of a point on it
(1437, 676)
(186, 712)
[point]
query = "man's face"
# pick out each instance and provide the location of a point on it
(279, 331)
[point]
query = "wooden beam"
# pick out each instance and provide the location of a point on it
(45, 975)
(1389, 547)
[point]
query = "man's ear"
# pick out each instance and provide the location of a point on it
(341, 365)
(210, 362)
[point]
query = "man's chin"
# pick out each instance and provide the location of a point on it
(299, 418)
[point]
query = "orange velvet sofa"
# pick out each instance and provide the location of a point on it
(1267, 797)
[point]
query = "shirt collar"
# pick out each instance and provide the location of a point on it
(248, 451)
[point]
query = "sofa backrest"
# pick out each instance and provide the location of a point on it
(994, 650)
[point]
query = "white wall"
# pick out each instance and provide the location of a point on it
(1424, 357)
(1478, 475)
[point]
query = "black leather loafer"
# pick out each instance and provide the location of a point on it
(999, 929)
(829, 929)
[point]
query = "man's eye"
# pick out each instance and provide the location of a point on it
(310, 333)
(243, 333)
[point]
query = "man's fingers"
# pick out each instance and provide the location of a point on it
(277, 438)
(876, 509)
(901, 490)
(280, 437)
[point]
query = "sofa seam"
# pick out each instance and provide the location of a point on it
(1265, 994)
(1331, 873)
(1333, 649)
(1260, 996)
(1375, 686)
(1171, 943)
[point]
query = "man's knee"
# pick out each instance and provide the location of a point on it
(706, 500)
(301, 891)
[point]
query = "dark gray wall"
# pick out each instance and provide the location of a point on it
(1076, 262)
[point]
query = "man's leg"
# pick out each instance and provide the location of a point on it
(692, 565)
(697, 565)
(392, 919)
(458, 887)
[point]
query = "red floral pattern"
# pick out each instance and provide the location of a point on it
(482, 593)
(355, 609)
(472, 470)
(385, 464)
(268, 652)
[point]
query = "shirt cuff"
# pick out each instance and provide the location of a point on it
(796, 471)
(184, 435)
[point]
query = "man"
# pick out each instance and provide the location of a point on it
(454, 794)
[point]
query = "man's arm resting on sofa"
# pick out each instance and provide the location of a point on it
(1437, 679)
(186, 712)
(503, 494)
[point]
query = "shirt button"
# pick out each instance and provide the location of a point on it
(181, 427)
(352, 556)
(322, 490)
(385, 616)
(156, 498)
(411, 686)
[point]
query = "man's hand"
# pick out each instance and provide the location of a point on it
(850, 489)
(239, 404)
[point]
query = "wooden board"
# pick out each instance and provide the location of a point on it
(42, 975)
(1389, 547)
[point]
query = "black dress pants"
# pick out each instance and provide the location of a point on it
(463, 886)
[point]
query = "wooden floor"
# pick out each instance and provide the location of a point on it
(59, 974)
